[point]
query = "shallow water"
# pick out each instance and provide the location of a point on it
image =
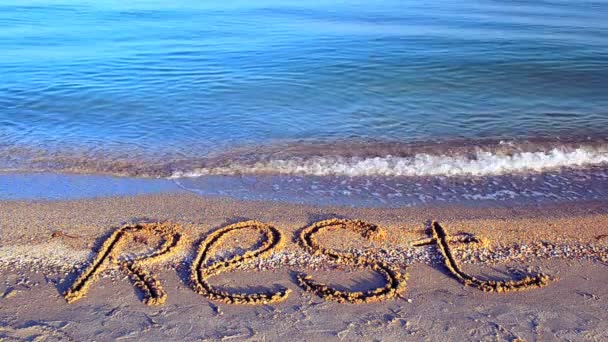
(504, 190)
(53, 186)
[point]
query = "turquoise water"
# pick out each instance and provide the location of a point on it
(170, 88)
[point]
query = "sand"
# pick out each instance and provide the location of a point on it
(46, 245)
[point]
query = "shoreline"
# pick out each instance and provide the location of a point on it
(51, 186)
(553, 188)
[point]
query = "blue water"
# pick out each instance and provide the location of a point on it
(144, 82)
(53, 186)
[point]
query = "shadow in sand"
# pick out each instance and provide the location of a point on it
(358, 282)
(64, 283)
(313, 218)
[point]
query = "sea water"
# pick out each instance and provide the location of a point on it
(345, 98)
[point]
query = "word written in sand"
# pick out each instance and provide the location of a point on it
(204, 267)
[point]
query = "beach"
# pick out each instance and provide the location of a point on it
(47, 244)
(303, 170)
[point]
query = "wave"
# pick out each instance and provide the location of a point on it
(478, 163)
(355, 158)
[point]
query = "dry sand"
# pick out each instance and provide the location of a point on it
(44, 245)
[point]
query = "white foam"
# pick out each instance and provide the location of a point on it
(481, 163)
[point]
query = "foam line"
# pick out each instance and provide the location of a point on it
(480, 163)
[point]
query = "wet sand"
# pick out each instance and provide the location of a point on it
(45, 245)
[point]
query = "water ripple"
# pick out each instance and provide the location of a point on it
(190, 78)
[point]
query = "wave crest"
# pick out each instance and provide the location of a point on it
(479, 163)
